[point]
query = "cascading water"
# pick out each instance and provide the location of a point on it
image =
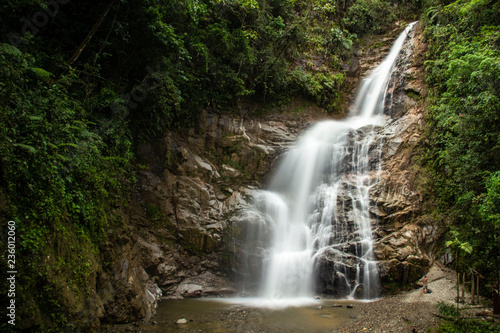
(316, 212)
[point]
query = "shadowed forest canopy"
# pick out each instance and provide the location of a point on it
(176, 57)
(83, 83)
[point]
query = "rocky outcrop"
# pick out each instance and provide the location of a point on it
(186, 230)
(174, 238)
(404, 243)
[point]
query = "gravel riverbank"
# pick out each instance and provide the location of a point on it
(408, 311)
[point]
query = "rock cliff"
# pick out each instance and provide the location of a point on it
(175, 236)
(404, 242)
(182, 234)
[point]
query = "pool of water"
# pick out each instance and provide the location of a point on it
(246, 315)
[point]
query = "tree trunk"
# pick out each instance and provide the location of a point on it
(91, 33)
(496, 302)
(496, 297)
(458, 289)
(473, 296)
(477, 289)
(463, 287)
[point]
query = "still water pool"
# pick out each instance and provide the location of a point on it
(238, 315)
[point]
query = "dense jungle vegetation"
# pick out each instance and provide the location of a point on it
(463, 145)
(83, 83)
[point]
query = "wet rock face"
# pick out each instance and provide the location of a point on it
(336, 269)
(403, 244)
(175, 236)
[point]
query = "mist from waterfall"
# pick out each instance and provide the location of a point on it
(316, 210)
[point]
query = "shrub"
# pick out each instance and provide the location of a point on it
(367, 16)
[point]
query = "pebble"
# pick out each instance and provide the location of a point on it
(181, 321)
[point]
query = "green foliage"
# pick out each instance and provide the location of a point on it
(154, 214)
(457, 244)
(369, 16)
(463, 72)
(324, 87)
(170, 59)
(466, 326)
(448, 310)
(453, 325)
(52, 154)
(490, 209)
(338, 41)
(218, 53)
(61, 174)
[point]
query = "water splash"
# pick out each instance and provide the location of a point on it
(316, 211)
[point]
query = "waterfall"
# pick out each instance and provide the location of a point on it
(315, 214)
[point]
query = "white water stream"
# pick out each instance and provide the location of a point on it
(317, 204)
